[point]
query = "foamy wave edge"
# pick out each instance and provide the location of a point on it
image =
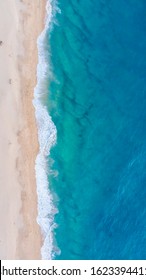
(47, 135)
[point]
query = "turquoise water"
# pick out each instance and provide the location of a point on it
(97, 101)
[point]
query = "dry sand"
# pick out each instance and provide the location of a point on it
(21, 21)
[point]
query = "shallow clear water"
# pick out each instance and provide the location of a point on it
(97, 101)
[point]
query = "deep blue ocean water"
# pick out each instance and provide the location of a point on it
(97, 101)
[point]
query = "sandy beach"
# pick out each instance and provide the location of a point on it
(21, 21)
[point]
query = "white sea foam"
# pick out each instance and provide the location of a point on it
(47, 136)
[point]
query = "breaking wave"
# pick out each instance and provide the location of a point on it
(47, 135)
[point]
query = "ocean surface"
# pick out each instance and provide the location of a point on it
(90, 103)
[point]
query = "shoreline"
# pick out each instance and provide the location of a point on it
(20, 235)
